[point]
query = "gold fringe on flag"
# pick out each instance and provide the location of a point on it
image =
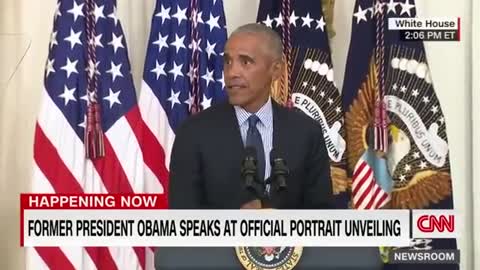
(279, 88)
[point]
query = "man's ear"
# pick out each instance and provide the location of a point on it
(277, 69)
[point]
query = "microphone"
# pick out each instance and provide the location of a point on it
(280, 171)
(249, 168)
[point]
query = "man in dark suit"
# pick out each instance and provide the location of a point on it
(209, 147)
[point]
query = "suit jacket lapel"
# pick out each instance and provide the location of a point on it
(280, 127)
(232, 130)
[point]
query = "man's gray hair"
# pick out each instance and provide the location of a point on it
(275, 42)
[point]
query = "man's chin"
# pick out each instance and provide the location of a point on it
(236, 101)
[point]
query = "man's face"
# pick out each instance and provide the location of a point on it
(249, 70)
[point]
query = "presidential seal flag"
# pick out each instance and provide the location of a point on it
(183, 72)
(396, 132)
(89, 136)
(269, 258)
(308, 81)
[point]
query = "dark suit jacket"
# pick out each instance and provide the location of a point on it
(208, 152)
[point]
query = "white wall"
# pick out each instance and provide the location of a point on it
(25, 27)
(450, 63)
(475, 103)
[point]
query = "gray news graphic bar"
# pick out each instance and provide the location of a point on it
(439, 256)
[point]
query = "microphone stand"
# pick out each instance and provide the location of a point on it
(277, 182)
(249, 174)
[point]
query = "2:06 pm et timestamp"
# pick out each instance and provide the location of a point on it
(429, 35)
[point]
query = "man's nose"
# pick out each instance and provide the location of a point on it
(232, 70)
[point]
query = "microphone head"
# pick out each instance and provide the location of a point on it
(248, 168)
(274, 156)
(276, 160)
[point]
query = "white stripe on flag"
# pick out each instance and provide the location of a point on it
(69, 147)
(125, 258)
(369, 194)
(152, 185)
(33, 261)
(126, 148)
(361, 174)
(150, 259)
(156, 119)
(40, 183)
(364, 188)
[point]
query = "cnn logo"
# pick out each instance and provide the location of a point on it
(434, 223)
(430, 223)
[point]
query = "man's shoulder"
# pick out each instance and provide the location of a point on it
(299, 119)
(207, 117)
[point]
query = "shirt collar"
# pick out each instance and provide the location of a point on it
(265, 114)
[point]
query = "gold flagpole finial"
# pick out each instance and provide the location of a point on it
(328, 12)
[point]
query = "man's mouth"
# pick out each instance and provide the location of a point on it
(236, 86)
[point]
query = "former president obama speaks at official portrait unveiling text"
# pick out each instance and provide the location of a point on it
(209, 148)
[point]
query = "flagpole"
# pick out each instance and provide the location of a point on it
(195, 76)
(94, 146)
(380, 120)
(287, 50)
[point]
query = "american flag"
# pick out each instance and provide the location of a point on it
(367, 191)
(129, 164)
(414, 172)
(364, 79)
(183, 71)
(303, 27)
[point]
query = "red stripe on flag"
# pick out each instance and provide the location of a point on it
(54, 258)
(371, 181)
(101, 257)
(359, 169)
(142, 256)
(52, 166)
(381, 201)
(372, 199)
(361, 182)
(111, 171)
(152, 150)
(62, 181)
(22, 225)
(381, 138)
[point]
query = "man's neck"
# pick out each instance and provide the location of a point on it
(255, 107)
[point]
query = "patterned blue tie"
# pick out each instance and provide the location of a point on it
(255, 140)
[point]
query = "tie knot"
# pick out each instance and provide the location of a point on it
(253, 120)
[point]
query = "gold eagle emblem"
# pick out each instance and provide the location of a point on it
(416, 183)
